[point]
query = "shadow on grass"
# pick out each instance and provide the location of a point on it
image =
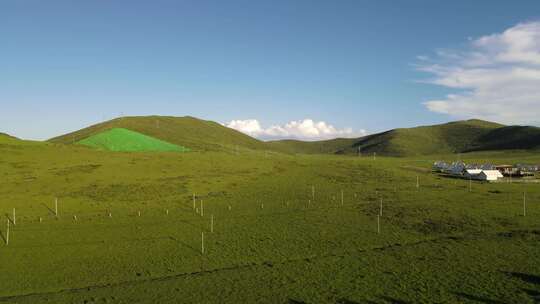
(394, 300)
(528, 278)
(346, 301)
(49, 209)
(478, 298)
(8, 218)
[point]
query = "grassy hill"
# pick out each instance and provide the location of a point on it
(119, 139)
(190, 132)
(7, 138)
(511, 137)
(311, 147)
(453, 137)
(202, 135)
(445, 138)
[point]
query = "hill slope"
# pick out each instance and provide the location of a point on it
(311, 147)
(511, 137)
(190, 132)
(119, 139)
(453, 137)
(6, 138)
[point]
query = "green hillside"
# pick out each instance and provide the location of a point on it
(119, 139)
(311, 147)
(186, 131)
(511, 137)
(202, 135)
(451, 137)
(459, 136)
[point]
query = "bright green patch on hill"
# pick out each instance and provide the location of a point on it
(119, 139)
(197, 134)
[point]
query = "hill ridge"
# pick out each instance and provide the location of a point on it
(188, 131)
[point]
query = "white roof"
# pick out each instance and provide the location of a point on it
(475, 171)
(492, 173)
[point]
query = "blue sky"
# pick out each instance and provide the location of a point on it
(350, 64)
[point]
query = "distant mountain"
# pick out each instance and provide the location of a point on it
(453, 137)
(189, 132)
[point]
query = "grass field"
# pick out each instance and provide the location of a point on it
(120, 139)
(137, 237)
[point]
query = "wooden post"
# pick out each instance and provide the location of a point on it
(7, 233)
(230, 207)
(56, 206)
(212, 223)
(110, 214)
(139, 213)
(202, 208)
(167, 211)
(378, 224)
(75, 218)
(417, 182)
(202, 242)
(193, 201)
(14, 218)
(262, 205)
(524, 210)
(309, 203)
(341, 197)
(40, 219)
(380, 208)
(313, 192)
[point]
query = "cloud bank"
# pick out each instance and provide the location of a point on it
(496, 78)
(306, 129)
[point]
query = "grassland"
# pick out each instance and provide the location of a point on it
(273, 242)
(119, 139)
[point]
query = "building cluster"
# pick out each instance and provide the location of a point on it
(486, 172)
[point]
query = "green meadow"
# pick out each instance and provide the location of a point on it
(278, 228)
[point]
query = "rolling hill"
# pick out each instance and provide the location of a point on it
(311, 147)
(190, 132)
(119, 139)
(453, 137)
(6, 138)
(201, 135)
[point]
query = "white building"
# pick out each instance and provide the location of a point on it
(488, 175)
(472, 172)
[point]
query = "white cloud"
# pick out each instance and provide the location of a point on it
(497, 77)
(306, 129)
